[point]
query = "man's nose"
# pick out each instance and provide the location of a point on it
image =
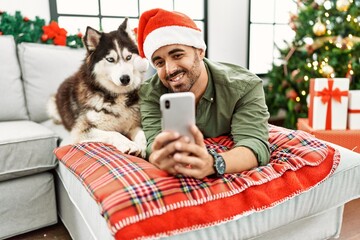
(170, 67)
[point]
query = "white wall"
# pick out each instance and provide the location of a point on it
(228, 25)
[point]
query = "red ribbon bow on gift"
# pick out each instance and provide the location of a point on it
(327, 94)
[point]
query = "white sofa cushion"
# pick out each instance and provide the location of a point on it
(27, 203)
(44, 68)
(26, 148)
(12, 100)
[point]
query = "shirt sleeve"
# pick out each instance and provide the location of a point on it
(150, 115)
(249, 125)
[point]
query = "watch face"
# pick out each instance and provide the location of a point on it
(220, 165)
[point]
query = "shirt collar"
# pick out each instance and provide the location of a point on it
(209, 92)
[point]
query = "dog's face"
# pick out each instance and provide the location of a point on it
(111, 59)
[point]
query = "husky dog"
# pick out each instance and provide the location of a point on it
(99, 103)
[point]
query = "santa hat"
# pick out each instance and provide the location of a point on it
(158, 28)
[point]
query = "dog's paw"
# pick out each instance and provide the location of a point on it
(129, 147)
(139, 138)
(125, 145)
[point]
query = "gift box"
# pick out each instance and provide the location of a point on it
(349, 139)
(328, 108)
(354, 110)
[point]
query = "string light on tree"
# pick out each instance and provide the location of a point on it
(327, 5)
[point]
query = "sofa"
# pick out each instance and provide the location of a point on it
(40, 180)
(28, 74)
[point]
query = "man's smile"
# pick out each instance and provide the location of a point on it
(176, 78)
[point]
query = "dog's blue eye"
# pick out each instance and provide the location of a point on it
(128, 57)
(110, 59)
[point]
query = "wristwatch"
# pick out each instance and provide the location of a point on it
(219, 163)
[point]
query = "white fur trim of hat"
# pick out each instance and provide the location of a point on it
(159, 27)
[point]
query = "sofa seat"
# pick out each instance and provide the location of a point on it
(26, 148)
(27, 203)
(26, 185)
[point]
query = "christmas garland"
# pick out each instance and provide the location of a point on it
(27, 30)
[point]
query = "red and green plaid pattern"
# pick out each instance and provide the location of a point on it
(138, 200)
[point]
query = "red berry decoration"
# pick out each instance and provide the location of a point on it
(44, 37)
(26, 19)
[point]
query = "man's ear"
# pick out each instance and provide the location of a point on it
(201, 53)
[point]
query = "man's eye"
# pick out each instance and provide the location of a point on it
(177, 56)
(110, 59)
(158, 64)
(128, 57)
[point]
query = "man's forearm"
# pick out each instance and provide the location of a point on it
(239, 159)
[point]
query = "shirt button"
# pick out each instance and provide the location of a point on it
(211, 99)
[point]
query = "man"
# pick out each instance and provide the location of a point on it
(229, 101)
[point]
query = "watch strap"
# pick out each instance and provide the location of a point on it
(217, 158)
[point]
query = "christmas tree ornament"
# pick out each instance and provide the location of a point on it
(327, 70)
(295, 73)
(293, 17)
(350, 72)
(298, 107)
(291, 94)
(342, 5)
(284, 84)
(314, 5)
(292, 25)
(319, 28)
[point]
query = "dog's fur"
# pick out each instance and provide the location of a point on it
(100, 101)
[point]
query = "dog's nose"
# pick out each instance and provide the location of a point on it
(125, 79)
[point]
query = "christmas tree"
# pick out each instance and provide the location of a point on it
(326, 44)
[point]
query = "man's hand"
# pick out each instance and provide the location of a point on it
(192, 159)
(163, 149)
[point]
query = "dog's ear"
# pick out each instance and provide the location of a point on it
(91, 39)
(127, 28)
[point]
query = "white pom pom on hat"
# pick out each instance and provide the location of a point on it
(158, 28)
(141, 64)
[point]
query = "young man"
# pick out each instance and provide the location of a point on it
(229, 101)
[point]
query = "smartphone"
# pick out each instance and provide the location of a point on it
(178, 112)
